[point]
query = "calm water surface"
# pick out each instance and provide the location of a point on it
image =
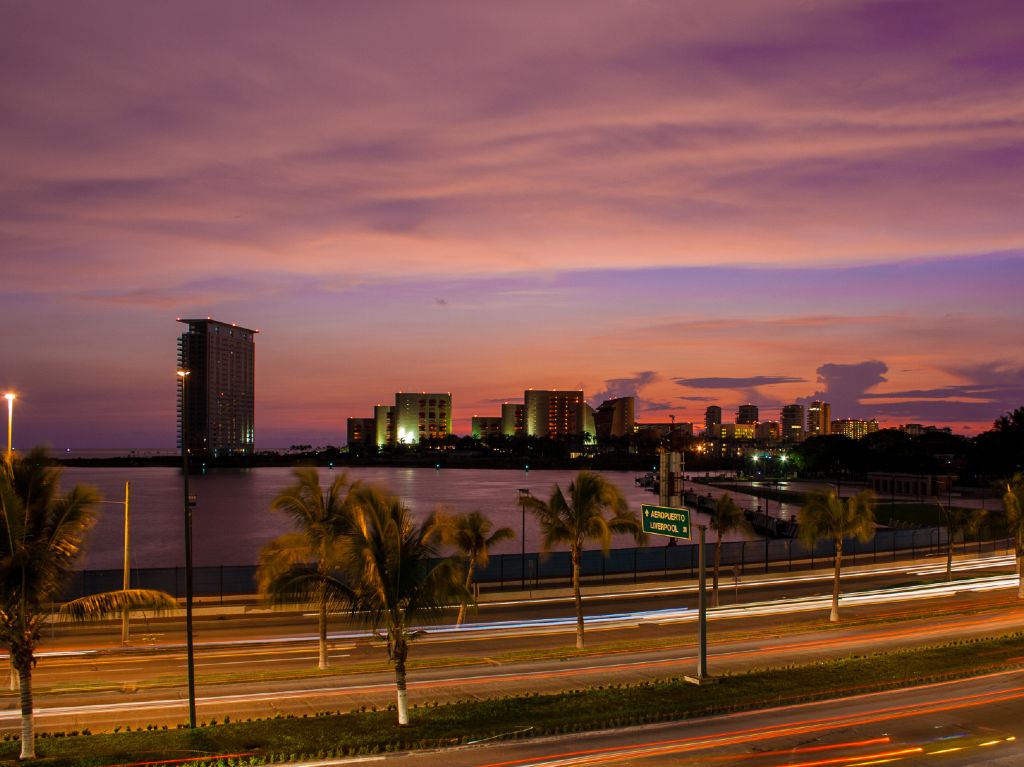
(232, 518)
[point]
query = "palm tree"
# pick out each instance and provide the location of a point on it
(958, 522)
(471, 534)
(581, 517)
(726, 517)
(293, 567)
(393, 578)
(826, 516)
(41, 536)
(1013, 504)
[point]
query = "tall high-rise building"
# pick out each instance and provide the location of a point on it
(712, 418)
(220, 400)
(422, 415)
(554, 413)
(819, 419)
(792, 423)
(615, 417)
(747, 414)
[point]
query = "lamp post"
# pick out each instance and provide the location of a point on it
(10, 397)
(183, 375)
(524, 493)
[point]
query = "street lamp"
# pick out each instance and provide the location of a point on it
(524, 493)
(183, 375)
(10, 397)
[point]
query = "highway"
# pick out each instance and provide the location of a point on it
(258, 664)
(951, 724)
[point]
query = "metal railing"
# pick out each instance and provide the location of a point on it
(508, 571)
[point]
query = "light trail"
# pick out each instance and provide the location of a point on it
(799, 727)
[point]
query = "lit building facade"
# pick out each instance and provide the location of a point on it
(854, 428)
(792, 419)
(768, 431)
(383, 419)
(422, 415)
(512, 419)
(219, 396)
(554, 413)
(819, 419)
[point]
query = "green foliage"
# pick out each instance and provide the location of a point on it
(582, 517)
(473, 534)
(826, 516)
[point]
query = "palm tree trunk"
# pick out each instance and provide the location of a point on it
(469, 582)
(322, 618)
(834, 616)
(14, 675)
(403, 697)
(949, 554)
(578, 596)
(714, 571)
(1020, 572)
(28, 735)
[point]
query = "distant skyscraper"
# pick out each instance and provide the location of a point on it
(712, 418)
(792, 423)
(819, 419)
(552, 413)
(220, 400)
(747, 414)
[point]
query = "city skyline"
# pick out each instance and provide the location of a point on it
(690, 204)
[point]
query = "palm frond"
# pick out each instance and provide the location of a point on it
(113, 603)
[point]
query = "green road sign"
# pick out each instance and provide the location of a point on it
(664, 520)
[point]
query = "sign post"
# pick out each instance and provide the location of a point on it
(666, 520)
(675, 523)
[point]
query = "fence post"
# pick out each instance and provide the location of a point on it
(874, 552)
(790, 551)
(913, 545)
(743, 557)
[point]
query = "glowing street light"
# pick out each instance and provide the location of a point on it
(10, 397)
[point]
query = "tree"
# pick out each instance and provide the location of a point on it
(1013, 505)
(41, 536)
(825, 516)
(581, 517)
(293, 567)
(958, 522)
(725, 517)
(394, 579)
(471, 534)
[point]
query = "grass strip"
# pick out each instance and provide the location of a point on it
(371, 732)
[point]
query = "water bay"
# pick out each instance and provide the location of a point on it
(232, 518)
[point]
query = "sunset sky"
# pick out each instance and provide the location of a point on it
(693, 202)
